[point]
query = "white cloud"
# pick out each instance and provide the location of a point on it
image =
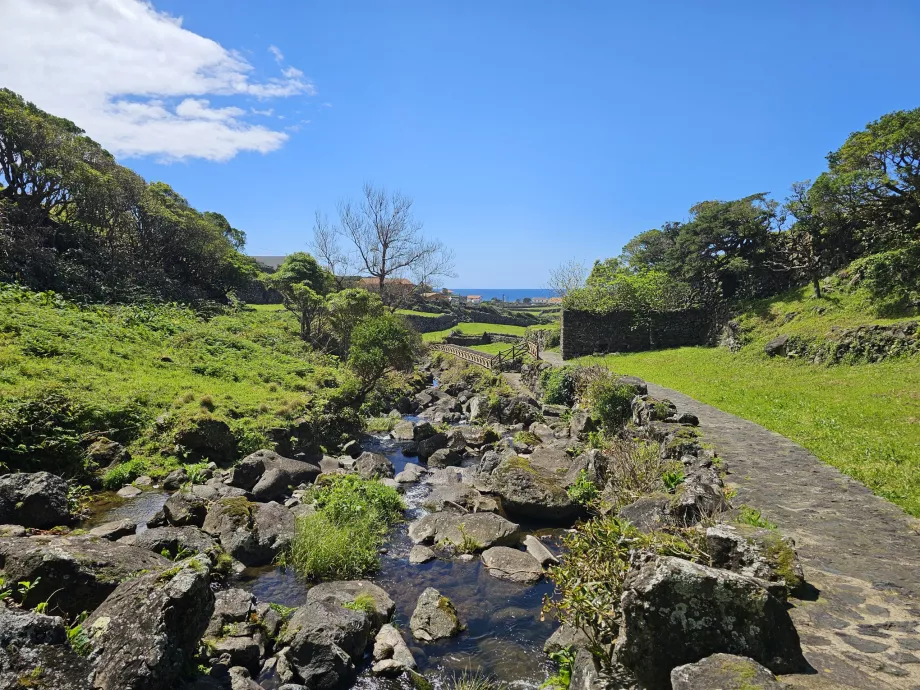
(135, 80)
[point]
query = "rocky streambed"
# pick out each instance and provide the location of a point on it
(185, 570)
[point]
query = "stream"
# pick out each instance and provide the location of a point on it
(504, 632)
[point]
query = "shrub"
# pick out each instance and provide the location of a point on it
(634, 469)
(559, 384)
(347, 497)
(891, 278)
(589, 580)
(610, 401)
(381, 425)
(583, 491)
(753, 517)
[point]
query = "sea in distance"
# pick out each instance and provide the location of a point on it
(507, 294)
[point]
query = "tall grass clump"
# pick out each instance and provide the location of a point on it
(341, 539)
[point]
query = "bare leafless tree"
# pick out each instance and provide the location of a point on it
(388, 244)
(567, 277)
(327, 250)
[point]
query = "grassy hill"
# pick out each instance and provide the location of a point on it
(863, 418)
(139, 374)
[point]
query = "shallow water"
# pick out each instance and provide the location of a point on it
(504, 633)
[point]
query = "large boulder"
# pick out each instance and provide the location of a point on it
(185, 508)
(247, 472)
(175, 542)
(374, 466)
(77, 573)
(434, 617)
(536, 487)
(238, 634)
(378, 604)
(754, 551)
(105, 452)
(726, 672)
(58, 668)
(146, 632)
(445, 457)
(24, 628)
(510, 564)
(253, 533)
(321, 645)
(520, 409)
(431, 444)
(208, 437)
(282, 475)
(404, 431)
(457, 495)
(34, 499)
(472, 532)
(391, 653)
(676, 612)
(410, 473)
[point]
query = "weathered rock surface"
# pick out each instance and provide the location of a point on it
(321, 645)
(246, 473)
(59, 668)
(113, 531)
(374, 466)
(445, 457)
(129, 491)
(347, 591)
(410, 473)
(185, 508)
(482, 529)
(21, 628)
(429, 445)
(421, 554)
(434, 617)
(106, 452)
(34, 499)
(77, 573)
(510, 564)
(404, 431)
(726, 672)
(756, 552)
(457, 495)
(391, 654)
(539, 551)
(208, 437)
(147, 630)
(536, 486)
(176, 541)
(649, 513)
(675, 612)
(253, 533)
(565, 636)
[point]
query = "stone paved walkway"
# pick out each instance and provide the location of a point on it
(860, 625)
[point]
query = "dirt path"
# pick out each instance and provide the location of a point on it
(861, 625)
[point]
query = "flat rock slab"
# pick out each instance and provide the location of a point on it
(510, 564)
(860, 553)
(477, 531)
(726, 672)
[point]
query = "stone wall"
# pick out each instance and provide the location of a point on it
(428, 324)
(586, 333)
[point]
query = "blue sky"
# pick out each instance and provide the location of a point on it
(527, 132)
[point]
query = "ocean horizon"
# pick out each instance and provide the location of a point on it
(506, 294)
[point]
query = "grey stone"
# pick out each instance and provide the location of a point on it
(653, 640)
(565, 636)
(410, 473)
(434, 617)
(777, 346)
(175, 479)
(253, 533)
(726, 672)
(129, 491)
(404, 431)
(649, 513)
(536, 486)
(510, 564)
(61, 668)
(581, 423)
(321, 645)
(148, 629)
(756, 552)
(445, 457)
(482, 529)
(185, 508)
(420, 554)
(113, 531)
(34, 499)
(391, 654)
(374, 466)
(232, 605)
(77, 573)
(107, 453)
(538, 550)
(431, 444)
(175, 541)
(208, 437)
(347, 591)
(247, 471)
(21, 628)
(423, 431)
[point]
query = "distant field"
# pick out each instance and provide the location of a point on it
(863, 419)
(492, 348)
(266, 307)
(478, 329)
(413, 312)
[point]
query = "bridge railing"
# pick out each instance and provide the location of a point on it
(465, 353)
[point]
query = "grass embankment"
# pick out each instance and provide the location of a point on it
(863, 419)
(414, 312)
(67, 371)
(468, 328)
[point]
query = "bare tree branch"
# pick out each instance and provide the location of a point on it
(567, 277)
(326, 248)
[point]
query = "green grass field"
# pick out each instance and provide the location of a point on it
(492, 348)
(413, 312)
(478, 329)
(863, 419)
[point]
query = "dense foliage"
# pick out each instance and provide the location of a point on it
(866, 203)
(74, 221)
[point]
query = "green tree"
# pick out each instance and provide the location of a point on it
(303, 285)
(873, 180)
(346, 308)
(381, 345)
(236, 237)
(649, 249)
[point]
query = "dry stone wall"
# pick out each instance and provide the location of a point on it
(586, 333)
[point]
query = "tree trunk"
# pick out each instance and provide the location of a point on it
(816, 284)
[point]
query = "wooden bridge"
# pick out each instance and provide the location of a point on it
(503, 361)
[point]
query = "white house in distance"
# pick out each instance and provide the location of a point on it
(474, 299)
(546, 300)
